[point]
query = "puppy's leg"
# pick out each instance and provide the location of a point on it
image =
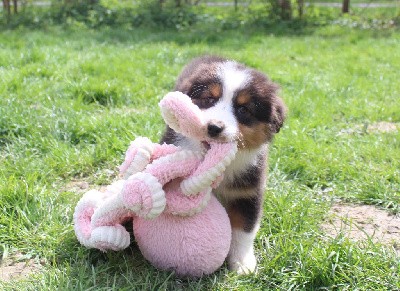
(245, 220)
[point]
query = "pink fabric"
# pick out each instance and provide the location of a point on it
(113, 218)
(186, 116)
(147, 203)
(83, 222)
(135, 192)
(190, 246)
(216, 153)
(161, 150)
(179, 204)
(175, 170)
(129, 156)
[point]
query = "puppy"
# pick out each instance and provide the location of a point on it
(239, 104)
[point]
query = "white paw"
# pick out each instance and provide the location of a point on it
(241, 258)
(242, 266)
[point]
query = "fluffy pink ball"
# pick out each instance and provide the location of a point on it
(190, 246)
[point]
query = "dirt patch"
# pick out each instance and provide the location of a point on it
(18, 267)
(372, 128)
(363, 222)
(77, 186)
(18, 271)
(80, 186)
(382, 127)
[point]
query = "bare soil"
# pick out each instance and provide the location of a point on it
(18, 267)
(383, 126)
(363, 222)
(77, 186)
(372, 128)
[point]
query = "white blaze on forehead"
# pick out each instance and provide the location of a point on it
(232, 79)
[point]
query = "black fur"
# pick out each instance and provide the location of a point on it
(249, 209)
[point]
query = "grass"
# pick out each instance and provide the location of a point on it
(71, 100)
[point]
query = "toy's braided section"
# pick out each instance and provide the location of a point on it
(216, 160)
(137, 156)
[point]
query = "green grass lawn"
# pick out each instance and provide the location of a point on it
(72, 100)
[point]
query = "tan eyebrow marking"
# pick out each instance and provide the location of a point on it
(243, 98)
(215, 90)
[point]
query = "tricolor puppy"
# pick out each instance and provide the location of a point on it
(240, 104)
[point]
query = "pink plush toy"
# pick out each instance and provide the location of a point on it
(167, 191)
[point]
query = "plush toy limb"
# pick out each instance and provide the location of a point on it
(182, 115)
(114, 238)
(199, 185)
(177, 165)
(142, 194)
(96, 223)
(137, 156)
(161, 150)
(83, 216)
(112, 211)
(182, 205)
(147, 186)
(218, 157)
(142, 152)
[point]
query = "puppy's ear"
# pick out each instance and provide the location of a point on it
(278, 114)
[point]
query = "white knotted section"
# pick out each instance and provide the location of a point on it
(175, 165)
(199, 182)
(114, 238)
(142, 157)
(153, 190)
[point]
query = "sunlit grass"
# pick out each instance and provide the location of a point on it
(71, 101)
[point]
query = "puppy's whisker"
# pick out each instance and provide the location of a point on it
(239, 138)
(197, 90)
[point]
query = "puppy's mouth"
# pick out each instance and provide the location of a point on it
(223, 139)
(206, 145)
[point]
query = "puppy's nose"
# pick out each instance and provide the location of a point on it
(214, 128)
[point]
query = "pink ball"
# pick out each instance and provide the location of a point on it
(190, 246)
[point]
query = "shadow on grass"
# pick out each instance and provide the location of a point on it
(229, 35)
(234, 37)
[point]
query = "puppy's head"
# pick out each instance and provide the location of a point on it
(238, 103)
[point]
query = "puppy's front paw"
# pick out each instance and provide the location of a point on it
(245, 265)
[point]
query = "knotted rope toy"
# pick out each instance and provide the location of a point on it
(166, 191)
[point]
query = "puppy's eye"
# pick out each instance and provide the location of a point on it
(209, 100)
(204, 102)
(243, 110)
